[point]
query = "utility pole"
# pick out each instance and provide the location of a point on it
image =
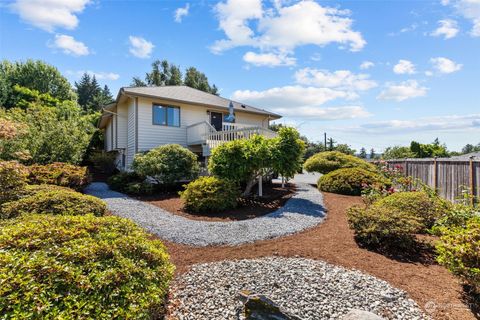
(325, 140)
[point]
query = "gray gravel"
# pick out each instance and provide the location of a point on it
(309, 289)
(304, 210)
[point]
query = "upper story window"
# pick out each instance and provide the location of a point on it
(166, 115)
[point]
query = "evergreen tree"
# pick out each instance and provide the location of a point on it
(363, 153)
(372, 153)
(331, 144)
(91, 97)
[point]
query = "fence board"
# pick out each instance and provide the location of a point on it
(451, 175)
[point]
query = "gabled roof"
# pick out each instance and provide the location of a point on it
(193, 96)
(467, 156)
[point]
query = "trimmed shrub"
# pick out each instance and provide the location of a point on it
(459, 250)
(139, 188)
(207, 194)
(383, 227)
(328, 161)
(81, 267)
(13, 179)
(119, 181)
(350, 181)
(457, 216)
(55, 202)
(32, 189)
(167, 164)
(418, 203)
(60, 174)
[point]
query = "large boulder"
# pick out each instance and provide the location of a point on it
(356, 314)
(259, 307)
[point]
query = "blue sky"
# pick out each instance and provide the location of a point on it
(369, 73)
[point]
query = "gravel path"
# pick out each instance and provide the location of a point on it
(304, 210)
(309, 289)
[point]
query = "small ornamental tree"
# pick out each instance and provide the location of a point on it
(167, 164)
(325, 162)
(287, 152)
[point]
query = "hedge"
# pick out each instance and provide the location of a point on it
(328, 161)
(81, 267)
(349, 181)
(208, 194)
(57, 202)
(13, 179)
(60, 174)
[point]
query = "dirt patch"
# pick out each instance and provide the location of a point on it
(430, 285)
(274, 197)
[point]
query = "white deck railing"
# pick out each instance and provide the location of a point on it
(204, 133)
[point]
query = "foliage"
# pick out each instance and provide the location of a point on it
(344, 148)
(50, 134)
(363, 153)
(13, 179)
(33, 189)
(88, 268)
(167, 164)
(397, 152)
(91, 97)
(287, 152)
(104, 161)
(119, 181)
(164, 73)
(380, 226)
(60, 174)
(139, 188)
(325, 162)
(469, 148)
(25, 97)
(349, 181)
(430, 150)
(459, 250)
(210, 194)
(57, 202)
(418, 203)
(35, 75)
(457, 216)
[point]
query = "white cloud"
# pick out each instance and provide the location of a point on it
(402, 91)
(341, 79)
(181, 12)
(50, 14)
(331, 113)
(140, 47)
(283, 28)
(269, 59)
(447, 28)
(367, 65)
(442, 123)
(470, 10)
(404, 67)
(70, 46)
(444, 65)
(98, 75)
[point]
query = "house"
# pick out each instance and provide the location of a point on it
(142, 118)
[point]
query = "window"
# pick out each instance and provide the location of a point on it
(166, 115)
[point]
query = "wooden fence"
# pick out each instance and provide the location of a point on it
(447, 176)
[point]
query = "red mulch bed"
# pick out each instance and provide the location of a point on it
(332, 241)
(274, 197)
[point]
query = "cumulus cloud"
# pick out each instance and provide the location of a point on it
(70, 46)
(470, 10)
(283, 27)
(341, 79)
(444, 65)
(51, 14)
(447, 28)
(367, 65)
(404, 67)
(140, 47)
(98, 75)
(402, 91)
(269, 59)
(181, 12)
(443, 123)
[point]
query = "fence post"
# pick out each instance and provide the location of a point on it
(435, 168)
(472, 182)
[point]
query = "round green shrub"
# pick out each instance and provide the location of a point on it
(349, 181)
(418, 203)
(208, 194)
(167, 164)
(60, 174)
(119, 181)
(383, 227)
(32, 189)
(328, 161)
(13, 179)
(459, 250)
(57, 202)
(81, 267)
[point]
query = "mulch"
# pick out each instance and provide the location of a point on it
(429, 284)
(274, 197)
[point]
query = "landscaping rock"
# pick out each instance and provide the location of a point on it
(307, 289)
(356, 314)
(259, 307)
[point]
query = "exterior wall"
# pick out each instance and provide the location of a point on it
(131, 132)
(108, 136)
(121, 126)
(252, 119)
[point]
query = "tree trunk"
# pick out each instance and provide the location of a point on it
(248, 189)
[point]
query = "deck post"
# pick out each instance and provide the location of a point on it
(260, 186)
